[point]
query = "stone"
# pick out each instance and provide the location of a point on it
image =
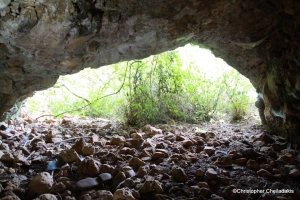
(123, 193)
(240, 161)
(264, 173)
(68, 156)
(146, 187)
(205, 192)
(117, 140)
(157, 186)
(252, 164)
(41, 183)
(88, 150)
(105, 178)
(105, 168)
(102, 195)
(142, 171)
(211, 173)
(294, 173)
(151, 130)
(87, 183)
(202, 185)
(135, 163)
(58, 188)
(199, 173)
(118, 179)
(209, 150)
(88, 168)
(286, 158)
(178, 174)
(278, 146)
(157, 156)
(187, 143)
(46, 197)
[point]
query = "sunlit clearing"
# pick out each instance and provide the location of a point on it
(189, 84)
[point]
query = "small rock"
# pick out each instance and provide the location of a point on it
(105, 178)
(209, 150)
(136, 136)
(123, 194)
(102, 195)
(205, 192)
(146, 187)
(203, 185)
(88, 150)
(118, 179)
(135, 163)
(87, 183)
(151, 130)
(142, 171)
(252, 164)
(58, 188)
(199, 173)
(157, 156)
(78, 146)
(41, 183)
(216, 197)
(117, 140)
(286, 158)
(278, 146)
(195, 189)
(178, 174)
(211, 173)
(294, 173)
(105, 168)
(264, 173)
(88, 167)
(130, 173)
(157, 186)
(68, 156)
(46, 197)
(240, 161)
(187, 143)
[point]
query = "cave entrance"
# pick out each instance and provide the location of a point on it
(188, 84)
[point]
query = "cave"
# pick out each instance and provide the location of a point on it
(43, 39)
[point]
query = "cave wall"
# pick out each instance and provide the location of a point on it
(42, 39)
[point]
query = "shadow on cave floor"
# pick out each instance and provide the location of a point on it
(79, 158)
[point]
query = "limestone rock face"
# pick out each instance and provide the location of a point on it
(40, 40)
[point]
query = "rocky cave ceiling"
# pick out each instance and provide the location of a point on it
(42, 39)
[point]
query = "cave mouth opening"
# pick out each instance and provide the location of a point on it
(188, 84)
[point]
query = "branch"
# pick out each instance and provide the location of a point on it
(76, 94)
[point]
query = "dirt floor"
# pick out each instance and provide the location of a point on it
(78, 158)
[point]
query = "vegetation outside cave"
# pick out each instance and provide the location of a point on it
(187, 85)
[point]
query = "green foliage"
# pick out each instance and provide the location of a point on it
(152, 90)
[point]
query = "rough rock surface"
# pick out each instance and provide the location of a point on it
(40, 40)
(117, 172)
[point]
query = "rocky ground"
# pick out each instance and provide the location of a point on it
(86, 159)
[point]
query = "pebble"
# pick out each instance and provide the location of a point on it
(142, 171)
(78, 146)
(187, 143)
(41, 183)
(202, 185)
(118, 179)
(46, 197)
(68, 156)
(88, 150)
(178, 174)
(278, 146)
(102, 195)
(264, 173)
(146, 187)
(87, 183)
(209, 150)
(123, 194)
(252, 164)
(117, 140)
(240, 161)
(286, 158)
(211, 173)
(294, 173)
(199, 173)
(88, 168)
(105, 178)
(135, 163)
